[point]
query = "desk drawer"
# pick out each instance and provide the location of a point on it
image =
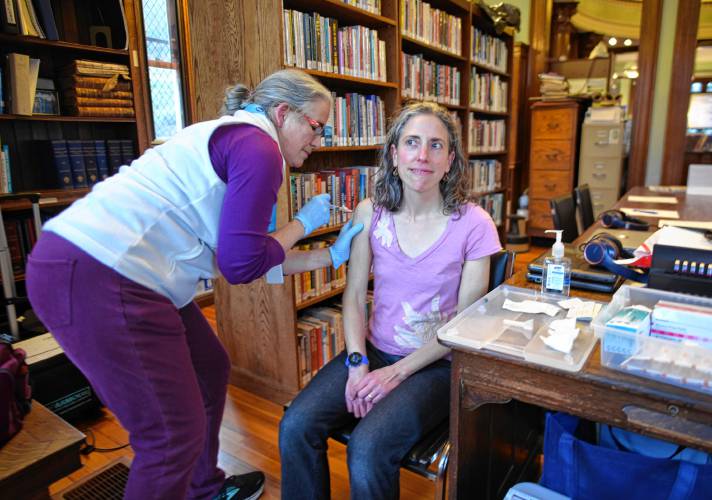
(600, 172)
(551, 155)
(602, 141)
(540, 214)
(557, 123)
(603, 199)
(550, 184)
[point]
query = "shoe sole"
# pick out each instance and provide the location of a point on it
(257, 494)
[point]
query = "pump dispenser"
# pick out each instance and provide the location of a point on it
(556, 278)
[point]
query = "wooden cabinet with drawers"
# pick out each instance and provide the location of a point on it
(552, 158)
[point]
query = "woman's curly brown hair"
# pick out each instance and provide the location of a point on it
(388, 192)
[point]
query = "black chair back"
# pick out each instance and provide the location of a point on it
(501, 268)
(563, 211)
(584, 205)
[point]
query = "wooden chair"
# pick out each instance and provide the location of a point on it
(429, 457)
(563, 212)
(584, 205)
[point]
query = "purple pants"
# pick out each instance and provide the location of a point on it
(161, 370)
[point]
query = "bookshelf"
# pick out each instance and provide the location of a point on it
(28, 136)
(490, 65)
(258, 323)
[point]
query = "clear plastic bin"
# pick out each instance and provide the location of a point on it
(481, 326)
(685, 364)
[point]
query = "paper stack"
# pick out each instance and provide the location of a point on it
(553, 86)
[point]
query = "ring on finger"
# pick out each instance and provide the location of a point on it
(370, 397)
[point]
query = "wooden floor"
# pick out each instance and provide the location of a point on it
(248, 439)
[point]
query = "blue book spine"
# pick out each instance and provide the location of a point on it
(76, 160)
(61, 163)
(102, 161)
(6, 167)
(89, 153)
(43, 9)
(113, 147)
(127, 151)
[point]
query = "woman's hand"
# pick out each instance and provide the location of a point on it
(376, 385)
(354, 404)
(316, 212)
(341, 249)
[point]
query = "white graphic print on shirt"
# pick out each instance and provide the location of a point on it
(382, 232)
(424, 327)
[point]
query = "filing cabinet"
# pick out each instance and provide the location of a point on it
(552, 158)
(601, 163)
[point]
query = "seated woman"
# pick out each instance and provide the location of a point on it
(430, 250)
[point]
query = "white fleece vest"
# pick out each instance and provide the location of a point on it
(156, 221)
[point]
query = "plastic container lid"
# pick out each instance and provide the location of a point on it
(482, 326)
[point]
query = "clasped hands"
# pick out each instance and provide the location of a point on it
(365, 388)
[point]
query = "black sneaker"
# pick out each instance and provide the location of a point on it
(243, 487)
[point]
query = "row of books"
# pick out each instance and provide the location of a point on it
(486, 136)
(82, 163)
(92, 88)
(311, 284)
(28, 17)
(320, 337)
(5, 172)
(435, 27)
(369, 5)
(355, 120)
(313, 41)
(493, 204)
(488, 91)
(21, 237)
(347, 187)
(489, 50)
(427, 80)
(484, 175)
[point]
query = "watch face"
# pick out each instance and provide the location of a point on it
(355, 358)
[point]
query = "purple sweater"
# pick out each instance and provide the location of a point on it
(249, 162)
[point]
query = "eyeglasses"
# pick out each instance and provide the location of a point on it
(316, 126)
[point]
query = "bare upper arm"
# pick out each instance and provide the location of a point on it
(360, 260)
(473, 281)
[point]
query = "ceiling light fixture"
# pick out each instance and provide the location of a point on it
(627, 42)
(612, 41)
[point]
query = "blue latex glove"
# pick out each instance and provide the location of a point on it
(315, 213)
(341, 250)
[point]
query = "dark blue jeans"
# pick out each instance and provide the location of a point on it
(380, 440)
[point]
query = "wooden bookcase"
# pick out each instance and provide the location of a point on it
(257, 322)
(32, 168)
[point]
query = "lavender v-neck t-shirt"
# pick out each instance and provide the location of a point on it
(414, 296)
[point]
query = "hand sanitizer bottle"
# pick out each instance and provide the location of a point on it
(556, 278)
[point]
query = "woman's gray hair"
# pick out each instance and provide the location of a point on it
(290, 86)
(388, 192)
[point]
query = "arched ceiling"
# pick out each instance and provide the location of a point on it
(621, 18)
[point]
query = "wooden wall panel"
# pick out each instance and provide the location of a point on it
(674, 169)
(642, 105)
(519, 128)
(255, 321)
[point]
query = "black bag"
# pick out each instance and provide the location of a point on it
(15, 390)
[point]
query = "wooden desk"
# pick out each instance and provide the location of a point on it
(45, 450)
(478, 469)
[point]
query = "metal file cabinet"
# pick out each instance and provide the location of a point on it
(601, 163)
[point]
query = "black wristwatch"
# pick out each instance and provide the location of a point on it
(356, 359)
